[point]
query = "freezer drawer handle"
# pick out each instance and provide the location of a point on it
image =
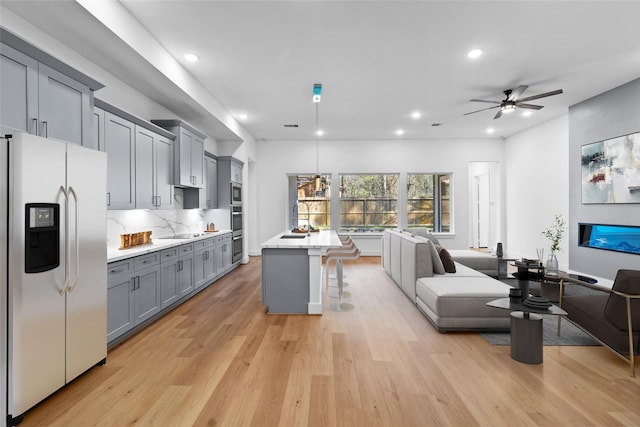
(76, 238)
(66, 231)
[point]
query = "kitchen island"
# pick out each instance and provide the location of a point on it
(292, 271)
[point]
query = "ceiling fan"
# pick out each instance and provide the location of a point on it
(513, 101)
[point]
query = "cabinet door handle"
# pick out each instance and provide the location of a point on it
(34, 126)
(159, 201)
(133, 280)
(45, 129)
(108, 198)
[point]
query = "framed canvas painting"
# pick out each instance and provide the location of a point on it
(611, 170)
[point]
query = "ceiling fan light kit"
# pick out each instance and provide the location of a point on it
(513, 101)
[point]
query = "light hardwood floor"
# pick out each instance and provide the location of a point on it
(220, 360)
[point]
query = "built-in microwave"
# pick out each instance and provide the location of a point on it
(236, 193)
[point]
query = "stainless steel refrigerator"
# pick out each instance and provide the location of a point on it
(53, 220)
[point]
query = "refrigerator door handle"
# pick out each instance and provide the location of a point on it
(77, 212)
(67, 279)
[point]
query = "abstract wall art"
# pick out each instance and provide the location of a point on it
(611, 170)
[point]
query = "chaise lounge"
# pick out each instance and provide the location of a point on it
(451, 301)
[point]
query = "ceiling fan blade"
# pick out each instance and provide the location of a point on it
(484, 100)
(542, 95)
(498, 114)
(515, 94)
(529, 106)
(477, 111)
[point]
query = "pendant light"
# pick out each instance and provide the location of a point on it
(317, 95)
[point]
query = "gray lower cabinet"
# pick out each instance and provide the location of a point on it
(39, 99)
(204, 262)
(139, 288)
(177, 273)
(133, 293)
(223, 253)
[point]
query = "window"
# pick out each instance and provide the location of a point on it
(428, 201)
(368, 202)
(310, 201)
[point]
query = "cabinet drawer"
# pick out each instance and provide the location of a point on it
(185, 249)
(169, 254)
(205, 243)
(227, 237)
(145, 261)
(119, 268)
(220, 239)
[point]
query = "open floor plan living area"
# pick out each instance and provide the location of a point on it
(319, 213)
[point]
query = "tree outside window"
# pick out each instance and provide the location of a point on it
(368, 202)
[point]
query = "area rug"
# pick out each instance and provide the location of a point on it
(569, 335)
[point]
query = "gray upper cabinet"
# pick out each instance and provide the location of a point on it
(207, 197)
(119, 144)
(144, 173)
(188, 153)
(140, 162)
(211, 184)
(43, 96)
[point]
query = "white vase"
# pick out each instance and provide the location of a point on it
(551, 266)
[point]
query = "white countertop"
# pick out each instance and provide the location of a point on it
(115, 254)
(318, 240)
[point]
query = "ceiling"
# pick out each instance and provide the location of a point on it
(378, 61)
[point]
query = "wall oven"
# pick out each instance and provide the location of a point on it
(237, 249)
(236, 220)
(236, 193)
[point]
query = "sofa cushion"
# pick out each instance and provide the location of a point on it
(423, 232)
(615, 310)
(447, 260)
(438, 267)
(480, 261)
(462, 296)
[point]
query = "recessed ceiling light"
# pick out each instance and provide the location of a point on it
(491, 130)
(242, 116)
(474, 53)
(416, 115)
(527, 113)
(319, 132)
(399, 132)
(191, 57)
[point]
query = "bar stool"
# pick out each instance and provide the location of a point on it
(348, 245)
(339, 256)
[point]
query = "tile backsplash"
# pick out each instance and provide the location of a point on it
(162, 223)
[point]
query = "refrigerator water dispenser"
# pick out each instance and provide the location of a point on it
(42, 237)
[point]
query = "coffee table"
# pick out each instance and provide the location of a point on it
(526, 329)
(523, 275)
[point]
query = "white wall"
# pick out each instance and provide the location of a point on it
(277, 158)
(536, 188)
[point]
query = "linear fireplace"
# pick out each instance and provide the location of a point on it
(619, 238)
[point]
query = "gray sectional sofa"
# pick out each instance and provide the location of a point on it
(450, 301)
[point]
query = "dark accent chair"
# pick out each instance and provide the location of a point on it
(611, 316)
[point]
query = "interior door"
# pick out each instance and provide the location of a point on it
(483, 209)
